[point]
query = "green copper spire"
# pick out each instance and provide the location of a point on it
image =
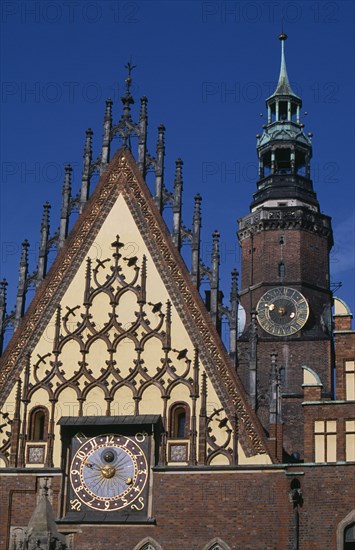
(283, 86)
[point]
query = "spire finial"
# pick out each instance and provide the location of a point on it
(128, 80)
(127, 99)
(283, 86)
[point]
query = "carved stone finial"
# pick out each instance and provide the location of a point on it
(21, 289)
(159, 169)
(167, 343)
(195, 242)
(24, 254)
(87, 282)
(117, 245)
(197, 207)
(3, 285)
(215, 243)
(85, 179)
(177, 201)
(108, 110)
(161, 135)
(64, 213)
(57, 330)
(127, 99)
(128, 80)
(88, 142)
(142, 298)
(143, 109)
(106, 140)
(45, 216)
(43, 247)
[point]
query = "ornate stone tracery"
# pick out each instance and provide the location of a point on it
(73, 364)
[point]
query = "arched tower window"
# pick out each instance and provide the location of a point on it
(349, 537)
(346, 532)
(38, 424)
(179, 420)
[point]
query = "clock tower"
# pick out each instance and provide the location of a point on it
(285, 286)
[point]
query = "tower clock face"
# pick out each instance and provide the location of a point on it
(109, 472)
(282, 311)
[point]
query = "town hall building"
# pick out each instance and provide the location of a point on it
(126, 421)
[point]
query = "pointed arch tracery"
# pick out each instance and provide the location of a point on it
(216, 544)
(148, 544)
(85, 370)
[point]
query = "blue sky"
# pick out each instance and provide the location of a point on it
(206, 68)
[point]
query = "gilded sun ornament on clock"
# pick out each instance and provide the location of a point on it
(109, 472)
(282, 311)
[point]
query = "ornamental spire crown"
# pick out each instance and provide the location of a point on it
(283, 86)
(284, 151)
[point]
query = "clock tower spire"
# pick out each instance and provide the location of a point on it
(284, 151)
(285, 242)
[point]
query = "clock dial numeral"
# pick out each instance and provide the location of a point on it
(75, 504)
(80, 437)
(140, 506)
(140, 436)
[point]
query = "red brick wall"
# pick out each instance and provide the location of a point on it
(345, 351)
(292, 355)
(249, 510)
(304, 254)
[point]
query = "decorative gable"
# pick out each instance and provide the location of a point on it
(118, 328)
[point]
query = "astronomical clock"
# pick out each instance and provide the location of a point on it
(107, 463)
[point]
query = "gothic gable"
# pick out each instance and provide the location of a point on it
(117, 327)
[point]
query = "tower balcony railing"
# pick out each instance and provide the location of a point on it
(283, 179)
(294, 214)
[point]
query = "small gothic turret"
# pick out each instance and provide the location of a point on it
(215, 279)
(142, 140)
(106, 140)
(284, 151)
(177, 201)
(3, 285)
(64, 213)
(196, 241)
(21, 289)
(85, 180)
(159, 168)
(43, 251)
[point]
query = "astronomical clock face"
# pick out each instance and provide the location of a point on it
(282, 311)
(109, 472)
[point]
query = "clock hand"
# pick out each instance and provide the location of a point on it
(91, 465)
